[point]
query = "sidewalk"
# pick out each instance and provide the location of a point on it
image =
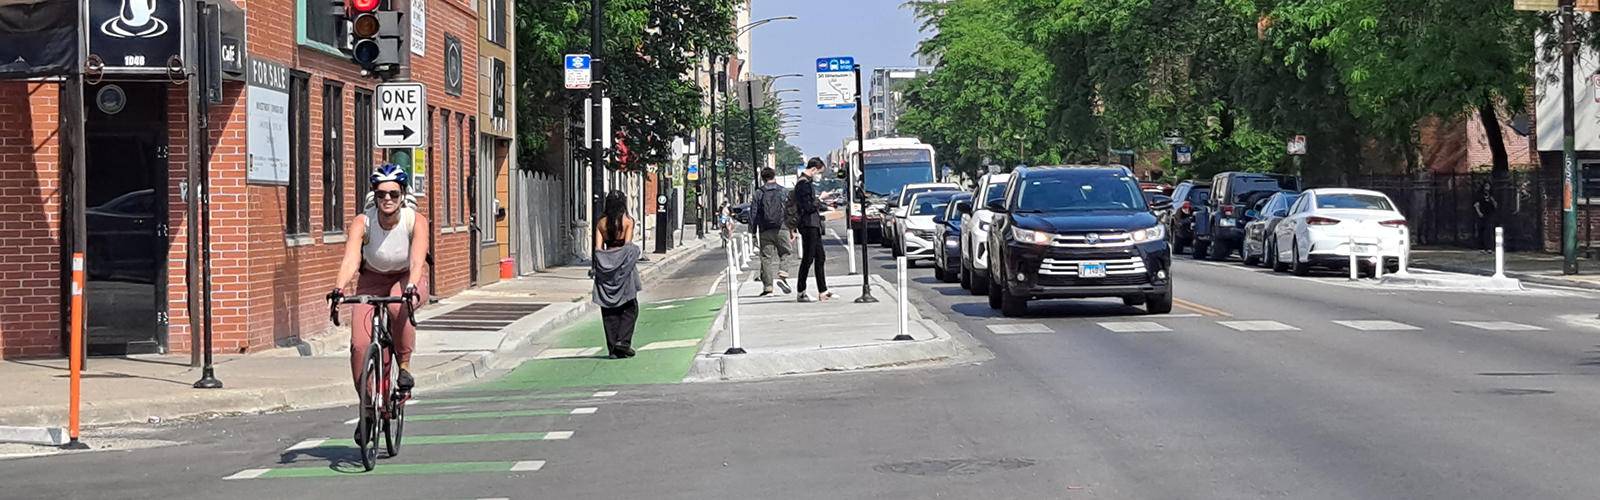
(451, 350)
(1532, 267)
(781, 336)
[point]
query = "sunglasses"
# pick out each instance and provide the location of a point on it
(389, 195)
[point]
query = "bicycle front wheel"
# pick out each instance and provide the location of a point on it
(371, 397)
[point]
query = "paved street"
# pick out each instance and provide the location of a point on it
(1257, 386)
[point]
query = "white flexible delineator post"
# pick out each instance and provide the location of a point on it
(733, 305)
(905, 320)
(1499, 252)
(1355, 263)
(850, 247)
(1405, 250)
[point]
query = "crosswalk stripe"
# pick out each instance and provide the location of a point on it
(1134, 327)
(557, 435)
(584, 411)
(605, 394)
(1257, 326)
(247, 474)
(308, 444)
(528, 466)
(1502, 326)
(1020, 328)
(1376, 325)
(577, 352)
(670, 344)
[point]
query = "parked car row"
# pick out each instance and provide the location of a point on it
(1269, 221)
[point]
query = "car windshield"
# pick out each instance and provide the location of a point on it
(1354, 201)
(950, 211)
(930, 204)
(1080, 190)
(1199, 195)
(996, 192)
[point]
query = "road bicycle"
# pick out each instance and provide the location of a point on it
(383, 406)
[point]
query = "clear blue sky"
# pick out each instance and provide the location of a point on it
(878, 33)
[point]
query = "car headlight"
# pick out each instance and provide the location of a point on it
(1152, 234)
(983, 226)
(1030, 237)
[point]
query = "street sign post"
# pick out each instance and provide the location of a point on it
(579, 74)
(1297, 146)
(836, 83)
(400, 120)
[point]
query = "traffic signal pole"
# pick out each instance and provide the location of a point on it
(597, 167)
(1569, 194)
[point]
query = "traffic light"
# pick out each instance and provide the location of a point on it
(374, 34)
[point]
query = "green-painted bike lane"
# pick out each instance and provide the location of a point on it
(676, 325)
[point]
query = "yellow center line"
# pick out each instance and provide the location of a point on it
(1203, 310)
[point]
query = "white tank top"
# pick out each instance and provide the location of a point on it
(388, 251)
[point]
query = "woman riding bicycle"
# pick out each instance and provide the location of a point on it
(388, 245)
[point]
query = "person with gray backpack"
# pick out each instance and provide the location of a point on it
(768, 224)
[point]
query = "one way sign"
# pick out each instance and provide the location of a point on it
(400, 121)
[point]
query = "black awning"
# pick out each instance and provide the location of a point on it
(38, 38)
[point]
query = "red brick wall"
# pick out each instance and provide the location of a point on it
(29, 221)
(265, 289)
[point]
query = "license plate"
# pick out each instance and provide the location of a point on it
(1362, 249)
(1096, 270)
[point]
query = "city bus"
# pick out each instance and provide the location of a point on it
(889, 164)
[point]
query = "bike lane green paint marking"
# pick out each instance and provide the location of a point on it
(692, 320)
(389, 469)
(500, 414)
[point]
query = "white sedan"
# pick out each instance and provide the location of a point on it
(1325, 225)
(917, 240)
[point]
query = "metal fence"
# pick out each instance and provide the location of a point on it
(1439, 207)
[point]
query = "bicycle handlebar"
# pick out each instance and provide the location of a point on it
(335, 301)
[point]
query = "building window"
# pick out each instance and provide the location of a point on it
(497, 21)
(298, 206)
(463, 162)
(364, 140)
(320, 25)
(444, 167)
(332, 157)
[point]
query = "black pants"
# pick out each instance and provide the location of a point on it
(1485, 233)
(619, 323)
(811, 252)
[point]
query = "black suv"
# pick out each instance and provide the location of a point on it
(1078, 232)
(1219, 228)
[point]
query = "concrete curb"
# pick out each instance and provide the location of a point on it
(1452, 281)
(1530, 278)
(235, 401)
(43, 436)
(710, 366)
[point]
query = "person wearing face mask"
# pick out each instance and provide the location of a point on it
(808, 213)
(386, 255)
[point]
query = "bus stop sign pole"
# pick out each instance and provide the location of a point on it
(861, 160)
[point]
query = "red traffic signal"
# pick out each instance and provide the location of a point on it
(360, 6)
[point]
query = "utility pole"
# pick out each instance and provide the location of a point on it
(1569, 205)
(714, 198)
(597, 154)
(861, 162)
(750, 106)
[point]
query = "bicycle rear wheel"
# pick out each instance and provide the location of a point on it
(371, 398)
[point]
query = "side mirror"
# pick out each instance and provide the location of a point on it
(964, 207)
(939, 219)
(1252, 214)
(1161, 202)
(1281, 214)
(996, 206)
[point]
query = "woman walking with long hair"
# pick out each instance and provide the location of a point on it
(616, 275)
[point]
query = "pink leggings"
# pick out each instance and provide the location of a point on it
(400, 329)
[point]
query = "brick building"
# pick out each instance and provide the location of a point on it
(277, 228)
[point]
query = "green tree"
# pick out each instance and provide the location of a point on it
(649, 46)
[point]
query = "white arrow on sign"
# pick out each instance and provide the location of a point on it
(399, 119)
